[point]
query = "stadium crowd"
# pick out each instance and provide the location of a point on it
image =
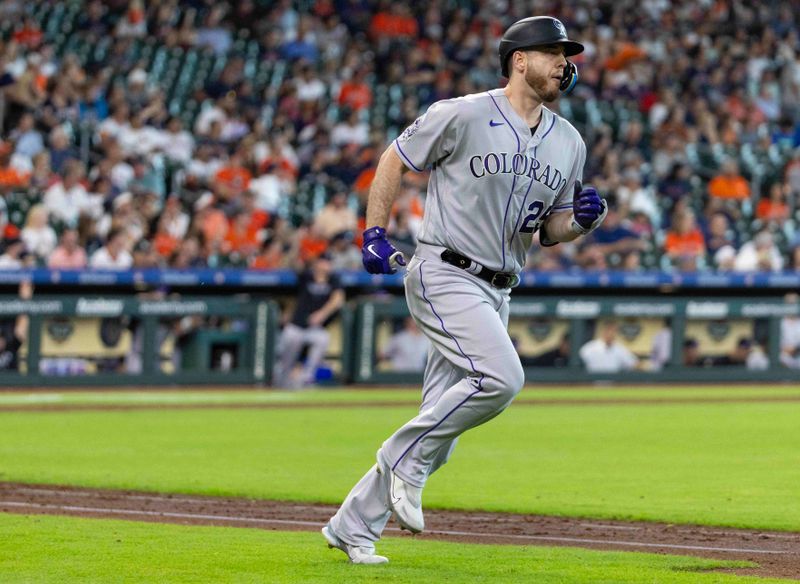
(190, 133)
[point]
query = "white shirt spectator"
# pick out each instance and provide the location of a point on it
(210, 114)
(102, 260)
(270, 190)
(311, 89)
(141, 140)
(345, 133)
(600, 357)
(112, 128)
(203, 169)
(9, 263)
(177, 146)
(67, 204)
(121, 174)
(39, 241)
(759, 254)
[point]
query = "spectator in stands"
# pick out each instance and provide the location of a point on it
(68, 198)
(319, 299)
(350, 130)
(336, 216)
(355, 93)
(344, 255)
(188, 255)
(729, 184)
(176, 143)
(69, 254)
(303, 46)
(61, 151)
(11, 178)
(719, 234)
(407, 349)
(310, 87)
(685, 240)
(133, 24)
(773, 208)
(613, 236)
(233, 178)
(759, 254)
(14, 256)
(606, 354)
(242, 237)
(39, 238)
(113, 255)
(27, 138)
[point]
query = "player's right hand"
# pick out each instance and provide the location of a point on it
(378, 255)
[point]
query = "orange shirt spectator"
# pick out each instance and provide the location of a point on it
(233, 178)
(270, 258)
(625, 54)
(165, 244)
(211, 222)
(774, 207)
(355, 93)
(396, 24)
(11, 178)
(242, 237)
(685, 239)
(730, 184)
(30, 34)
(312, 244)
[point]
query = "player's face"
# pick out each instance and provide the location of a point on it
(545, 68)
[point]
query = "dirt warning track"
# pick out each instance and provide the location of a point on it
(776, 553)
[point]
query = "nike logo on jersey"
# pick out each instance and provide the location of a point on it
(494, 124)
(373, 252)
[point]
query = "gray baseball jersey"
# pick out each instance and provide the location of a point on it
(492, 184)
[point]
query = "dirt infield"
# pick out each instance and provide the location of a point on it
(69, 407)
(776, 553)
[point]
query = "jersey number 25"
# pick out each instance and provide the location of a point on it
(529, 223)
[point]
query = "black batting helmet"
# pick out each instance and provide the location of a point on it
(535, 31)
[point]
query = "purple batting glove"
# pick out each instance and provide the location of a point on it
(588, 209)
(378, 255)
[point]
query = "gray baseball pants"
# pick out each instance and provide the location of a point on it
(293, 339)
(473, 374)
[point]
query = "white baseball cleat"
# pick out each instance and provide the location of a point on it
(357, 554)
(404, 499)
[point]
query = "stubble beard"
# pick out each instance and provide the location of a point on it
(541, 86)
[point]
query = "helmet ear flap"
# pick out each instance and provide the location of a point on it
(569, 79)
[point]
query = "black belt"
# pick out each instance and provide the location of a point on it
(496, 279)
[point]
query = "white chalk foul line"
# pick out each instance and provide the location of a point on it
(579, 540)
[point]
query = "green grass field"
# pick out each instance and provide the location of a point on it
(735, 464)
(92, 550)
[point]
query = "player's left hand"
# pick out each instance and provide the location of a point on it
(378, 255)
(588, 209)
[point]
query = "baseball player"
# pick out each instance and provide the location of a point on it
(503, 167)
